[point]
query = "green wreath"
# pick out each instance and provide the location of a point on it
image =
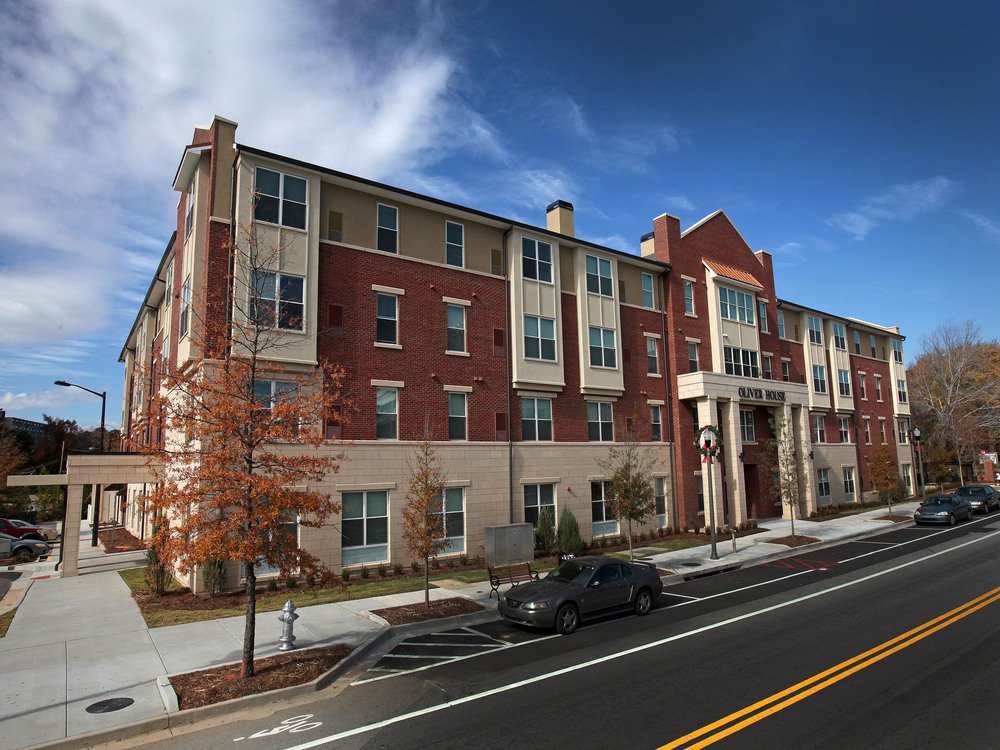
(716, 435)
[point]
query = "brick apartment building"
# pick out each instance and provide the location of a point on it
(520, 349)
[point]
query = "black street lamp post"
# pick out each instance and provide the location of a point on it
(97, 488)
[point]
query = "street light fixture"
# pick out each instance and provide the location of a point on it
(711, 449)
(97, 488)
(920, 461)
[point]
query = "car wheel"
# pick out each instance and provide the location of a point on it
(952, 520)
(567, 619)
(643, 602)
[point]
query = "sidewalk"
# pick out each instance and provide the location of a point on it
(78, 641)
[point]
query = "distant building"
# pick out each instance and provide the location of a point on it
(522, 347)
(34, 431)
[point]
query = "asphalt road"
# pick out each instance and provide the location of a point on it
(884, 643)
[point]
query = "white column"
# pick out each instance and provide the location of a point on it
(807, 487)
(732, 442)
(71, 532)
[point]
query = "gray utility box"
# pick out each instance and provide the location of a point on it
(4, 548)
(507, 545)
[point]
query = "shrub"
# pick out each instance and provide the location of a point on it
(345, 574)
(213, 575)
(364, 571)
(397, 569)
(415, 566)
(569, 540)
(545, 533)
(435, 565)
(272, 585)
(156, 569)
(463, 559)
(291, 582)
(381, 570)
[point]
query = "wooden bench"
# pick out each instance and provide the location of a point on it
(512, 574)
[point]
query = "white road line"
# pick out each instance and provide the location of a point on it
(628, 652)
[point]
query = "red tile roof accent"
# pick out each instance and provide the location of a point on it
(730, 272)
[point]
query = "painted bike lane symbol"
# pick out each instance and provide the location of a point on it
(292, 725)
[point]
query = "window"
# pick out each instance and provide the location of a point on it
(906, 471)
(452, 510)
(185, 305)
(536, 419)
(692, 357)
(857, 343)
(388, 229)
(456, 328)
(849, 483)
(861, 387)
(536, 259)
(839, 339)
(741, 362)
(903, 431)
(701, 493)
(878, 387)
(539, 498)
(599, 276)
(276, 301)
(881, 429)
(845, 429)
(604, 521)
(844, 378)
(647, 290)
(785, 375)
(819, 378)
(386, 318)
(689, 297)
(600, 426)
(168, 284)
(823, 480)
(269, 393)
(736, 305)
(868, 430)
(767, 367)
(602, 347)
(871, 340)
(747, 432)
(281, 199)
(901, 391)
(815, 330)
(189, 211)
(652, 358)
(364, 529)
(456, 416)
(897, 350)
(539, 338)
(819, 428)
(660, 500)
(385, 413)
(656, 425)
(454, 244)
(781, 323)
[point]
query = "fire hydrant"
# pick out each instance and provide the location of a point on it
(287, 617)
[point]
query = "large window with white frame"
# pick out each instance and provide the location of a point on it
(386, 318)
(386, 413)
(815, 330)
(762, 313)
(185, 306)
(903, 431)
(881, 430)
(536, 259)
(897, 350)
(387, 229)
(781, 323)
(652, 357)
(457, 419)
(602, 517)
(819, 428)
(878, 387)
(849, 484)
(599, 276)
(844, 379)
(600, 421)
(656, 423)
(539, 338)
(907, 471)
(688, 297)
(823, 485)
(660, 500)
(857, 343)
(839, 337)
(866, 421)
(819, 378)
(189, 211)
(692, 356)
(862, 391)
(280, 198)
(901, 391)
(536, 419)
(277, 300)
(602, 347)
(538, 499)
(454, 244)
(844, 423)
(736, 305)
(456, 328)
(364, 534)
(748, 433)
(648, 299)
(451, 508)
(741, 362)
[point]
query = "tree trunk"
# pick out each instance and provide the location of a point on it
(427, 582)
(249, 629)
(631, 554)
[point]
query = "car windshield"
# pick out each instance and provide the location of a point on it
(572, 571)
(938, 501)
(971, 491)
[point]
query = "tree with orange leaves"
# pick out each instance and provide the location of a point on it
(423, 513)
(243, 435)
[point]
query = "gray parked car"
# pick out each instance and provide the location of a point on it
(582, 588)
(24, 547)
(981, 497)
(943, 509)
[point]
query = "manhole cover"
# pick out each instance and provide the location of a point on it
(691, 565)
(109, 705)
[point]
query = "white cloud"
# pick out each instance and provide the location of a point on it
(903, 202)
(989, 228)
(678, 203)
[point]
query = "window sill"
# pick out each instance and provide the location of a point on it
(653, 375)
(690, 315)
(381, 345)
(282, 227)
(457, 354)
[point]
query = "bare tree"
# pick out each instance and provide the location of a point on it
(629, 469)
(787, 461)
(424, 511)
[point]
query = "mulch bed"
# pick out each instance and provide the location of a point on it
(211, 686)
(795, 541)
(419, 612)
(124, 541)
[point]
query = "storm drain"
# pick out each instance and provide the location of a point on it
(691, 565)
(109, 705)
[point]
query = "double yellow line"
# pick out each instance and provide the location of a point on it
(743, 718)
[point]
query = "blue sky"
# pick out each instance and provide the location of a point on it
(855, 141)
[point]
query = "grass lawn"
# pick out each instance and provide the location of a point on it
(5, 621)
